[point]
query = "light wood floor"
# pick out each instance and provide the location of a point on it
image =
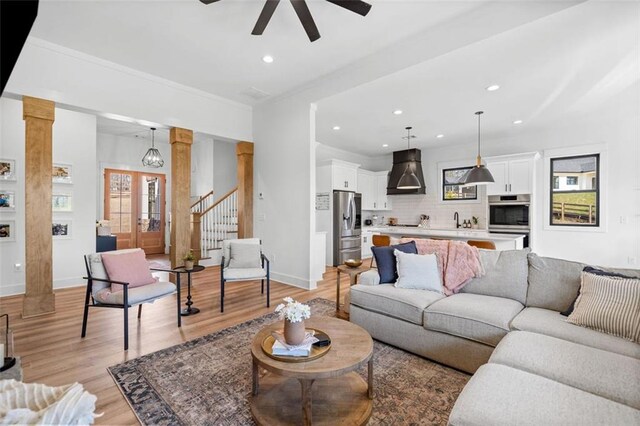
(53, 353)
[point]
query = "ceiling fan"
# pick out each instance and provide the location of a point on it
(302, 10)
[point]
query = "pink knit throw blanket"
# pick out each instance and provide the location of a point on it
(458, 261)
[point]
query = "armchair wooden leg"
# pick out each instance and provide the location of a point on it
(139, 311)
(85, 316)
(126, 320)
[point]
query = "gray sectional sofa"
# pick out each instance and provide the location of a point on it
(530, 365)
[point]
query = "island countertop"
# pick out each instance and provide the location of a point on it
(502, 241)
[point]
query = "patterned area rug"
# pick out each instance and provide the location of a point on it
(207, 381)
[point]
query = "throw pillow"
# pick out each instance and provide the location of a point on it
(129, 267)
(610, 305)
(243, 255)
(386, 260)
(595, 271)
(418, 271)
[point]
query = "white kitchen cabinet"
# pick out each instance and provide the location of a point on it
(366, 244)
(513, 176)
(344, 176)
(382, 201)
(367, 187)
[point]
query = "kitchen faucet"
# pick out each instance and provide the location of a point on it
(457, 219)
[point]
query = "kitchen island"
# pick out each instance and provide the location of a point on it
(502, 241)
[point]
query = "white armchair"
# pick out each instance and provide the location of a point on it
(243, 260)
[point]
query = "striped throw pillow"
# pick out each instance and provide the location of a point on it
(610, 305)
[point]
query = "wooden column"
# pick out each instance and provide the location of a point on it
(244, 151)
(180, 140)
(38, 115)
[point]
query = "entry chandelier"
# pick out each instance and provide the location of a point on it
(153, 158)
(478, 175)
(409, 180)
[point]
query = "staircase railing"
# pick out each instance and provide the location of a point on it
(211, 225)
(203, 203)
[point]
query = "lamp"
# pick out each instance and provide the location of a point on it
(6, 347)
(408, 180)
(478, 175)
(153, 158)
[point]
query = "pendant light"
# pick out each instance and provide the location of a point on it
(479, 175)
(408, 180)
(153, 158)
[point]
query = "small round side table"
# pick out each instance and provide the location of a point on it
(189, 310)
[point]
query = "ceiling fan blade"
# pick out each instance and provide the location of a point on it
(302, 10)
(208, 1)
(357, 6)
(265, 16)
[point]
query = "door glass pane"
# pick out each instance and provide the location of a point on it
(150, 204)
(120, 202)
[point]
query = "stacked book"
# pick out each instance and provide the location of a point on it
(281, 348)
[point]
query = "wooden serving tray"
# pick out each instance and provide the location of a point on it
(316, 352)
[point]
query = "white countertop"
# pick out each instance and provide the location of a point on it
(462, 234)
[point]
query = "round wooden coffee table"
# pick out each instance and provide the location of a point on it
(339, 394)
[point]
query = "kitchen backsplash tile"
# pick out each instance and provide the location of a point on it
(408, 208)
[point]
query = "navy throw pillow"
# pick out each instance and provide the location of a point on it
(594, 271)
(386, 260)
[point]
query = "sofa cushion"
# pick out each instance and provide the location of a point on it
(566, 362)
(505, 275)
(244, 273)
(386, 260)
(402, 303)
(551, 323)
(484, 319)
(609, 304)
(418, 271)
(554, 283)
(501, 395)
(137, 294)
(244, 255)
(131, 267)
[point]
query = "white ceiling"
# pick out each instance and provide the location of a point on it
(210, 47)
(563, 64)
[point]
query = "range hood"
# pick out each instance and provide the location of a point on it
(401, 159)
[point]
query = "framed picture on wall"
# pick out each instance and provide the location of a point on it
(7, 201)
(7, 230)
(61, 229)
(62, 173)
(61, 202)
(7, 169)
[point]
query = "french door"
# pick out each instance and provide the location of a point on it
(134, 204)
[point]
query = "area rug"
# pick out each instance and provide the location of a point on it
(207, 381)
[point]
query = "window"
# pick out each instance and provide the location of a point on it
(452, 185)
(575, 195)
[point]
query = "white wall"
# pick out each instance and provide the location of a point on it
(82, 81)
(225, 167)
(74, 142)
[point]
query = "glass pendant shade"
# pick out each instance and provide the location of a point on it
(479, 175)
(409, 180)
(152, 158)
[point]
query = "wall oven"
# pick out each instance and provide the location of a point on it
(510, 214)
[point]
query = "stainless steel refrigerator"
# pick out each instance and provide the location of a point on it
(347, 219)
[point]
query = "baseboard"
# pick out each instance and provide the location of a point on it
(293, 281)
(11, 290)
(14, 289)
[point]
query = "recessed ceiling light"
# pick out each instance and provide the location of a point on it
(397, 112)
(385, 145)
(493, 88)
(517, 122)
(440, 136)
(336, 127)
(267, 58)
